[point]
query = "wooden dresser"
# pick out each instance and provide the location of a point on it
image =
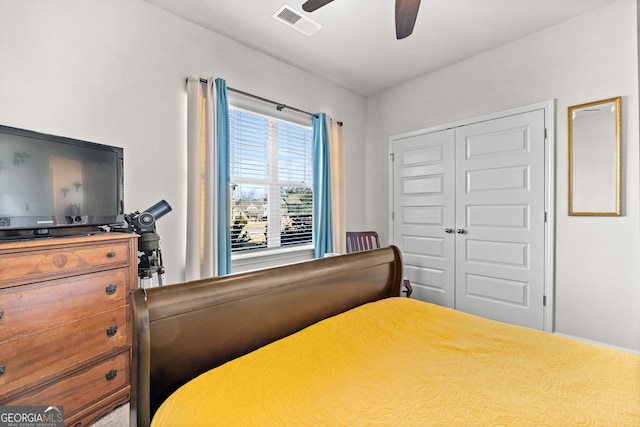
(65, 336)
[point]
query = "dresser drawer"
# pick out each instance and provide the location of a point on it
(38, 358)
(31, 308)
(79, 389)
(92, 413)
(19, 267)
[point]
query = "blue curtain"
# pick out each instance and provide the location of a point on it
(223, 178)
(322, 221)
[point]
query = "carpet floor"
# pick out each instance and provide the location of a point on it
(119, 417)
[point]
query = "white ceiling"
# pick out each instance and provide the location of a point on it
(357, 48)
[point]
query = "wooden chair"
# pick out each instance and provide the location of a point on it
(358, 241)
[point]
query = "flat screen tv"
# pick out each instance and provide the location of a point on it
(52, 185)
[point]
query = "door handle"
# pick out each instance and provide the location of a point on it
(448, 230)
(460, 230)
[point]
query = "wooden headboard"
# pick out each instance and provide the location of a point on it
(183, 330)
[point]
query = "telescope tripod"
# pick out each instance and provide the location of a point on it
(150, 261)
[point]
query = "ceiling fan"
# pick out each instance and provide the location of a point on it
(406, 14)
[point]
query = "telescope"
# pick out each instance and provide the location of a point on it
(145, 222)
(149, 254)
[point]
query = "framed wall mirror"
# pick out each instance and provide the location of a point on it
(594, 158)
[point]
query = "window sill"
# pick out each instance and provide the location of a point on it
(270, 258)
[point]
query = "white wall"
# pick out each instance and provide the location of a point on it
(592, 57)
(113, 72)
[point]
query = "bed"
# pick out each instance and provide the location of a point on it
(329, 342)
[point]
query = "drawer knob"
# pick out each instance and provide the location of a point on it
(1, 370)
(111, 374)
(1, 315)
(111, 289)
(112, 330)
(111, 254)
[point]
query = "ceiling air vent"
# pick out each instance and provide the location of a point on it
(297, 20)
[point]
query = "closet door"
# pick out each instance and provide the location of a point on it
(469, 216)
(500, 218)
(424, 216)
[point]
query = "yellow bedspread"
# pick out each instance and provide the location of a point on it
(400, 362)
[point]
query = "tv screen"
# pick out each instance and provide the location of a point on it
(50, 182)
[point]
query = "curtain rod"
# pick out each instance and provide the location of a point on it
(279, 106)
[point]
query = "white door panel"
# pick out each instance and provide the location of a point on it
(423, 208)
(500, 207)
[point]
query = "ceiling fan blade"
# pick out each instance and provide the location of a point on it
(311, 5)
(406, 14)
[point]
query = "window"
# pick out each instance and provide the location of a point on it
(271, 172)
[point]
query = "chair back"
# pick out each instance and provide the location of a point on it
(358, 241)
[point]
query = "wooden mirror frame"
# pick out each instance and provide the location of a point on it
(595, 158)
